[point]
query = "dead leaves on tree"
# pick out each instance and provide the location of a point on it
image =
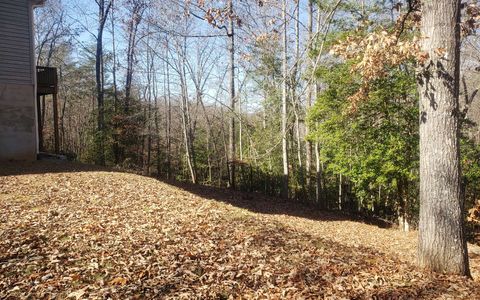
(377, 52)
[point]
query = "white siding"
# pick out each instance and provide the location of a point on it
(15, 42)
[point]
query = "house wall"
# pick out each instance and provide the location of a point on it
(18, 130)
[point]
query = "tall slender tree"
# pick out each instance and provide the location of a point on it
(233, 99)
(284, 101)
(136, 11)
(308, 143)
(103, 10)
(168, 107)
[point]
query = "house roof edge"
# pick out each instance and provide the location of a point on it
(37, 2)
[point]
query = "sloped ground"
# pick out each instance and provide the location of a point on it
(71, 231)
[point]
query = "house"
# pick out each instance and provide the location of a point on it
(18, 126)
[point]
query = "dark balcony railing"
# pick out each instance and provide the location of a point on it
(47, 84)
(47, 80)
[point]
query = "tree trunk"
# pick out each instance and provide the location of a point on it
(186, 122)
(442, 244)
(150, 83)
(168, 119)
(100, 155)
(231, 135)
(156, 119)
(132, 29)
(115, 147)
(240, 129)
(402, 206)
(308, 144)
(340, 191)
(296, 95)
(318, 183)
(284, 103)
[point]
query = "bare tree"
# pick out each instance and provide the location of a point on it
(284, 101)
(168, 107)
(180, 68)
(308, 143)
(103, 10)
(233, 100)
(136, 10)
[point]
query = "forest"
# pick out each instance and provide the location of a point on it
(366, 109)
(312, 101)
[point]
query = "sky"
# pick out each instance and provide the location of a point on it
(82, 14)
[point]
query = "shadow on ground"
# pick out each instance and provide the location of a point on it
(13, 168)
(254, 202)
(259, 203)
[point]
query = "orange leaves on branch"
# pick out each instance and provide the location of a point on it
(379, 51)
(375, 54)
(266, 37)
(216, 16)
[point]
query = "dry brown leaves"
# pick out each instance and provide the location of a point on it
(474, 214)
(375, 54)
(79, 233)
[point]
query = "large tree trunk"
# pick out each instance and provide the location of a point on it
(442, 244)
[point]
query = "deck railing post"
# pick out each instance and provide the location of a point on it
(55, 123)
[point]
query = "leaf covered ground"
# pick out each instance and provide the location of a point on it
(73, 231)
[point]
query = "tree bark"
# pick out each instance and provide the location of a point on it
(156, 118)
(296, 94)
(115, 146)
(284, 103)
(186, 120)
(442, 244)
(231, 135)
(102, 18)
(138, 9)
(340, 191)
(240, 129)
(308, 144)
(168, 119)
(150, 83)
